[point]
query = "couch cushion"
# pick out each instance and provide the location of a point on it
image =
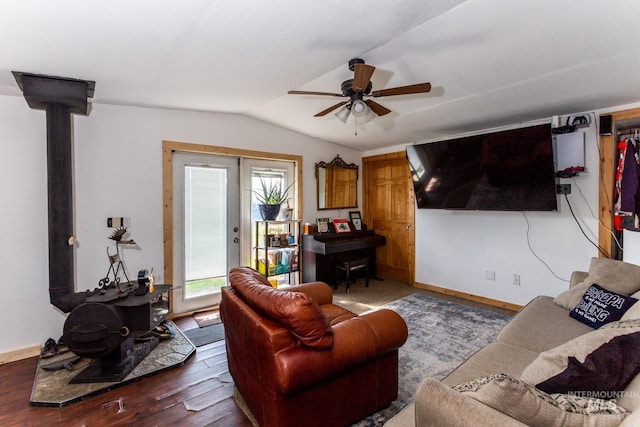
(599, 306)
(634, 310)
(294, 310)
(603, 360)
(616, 276)
(531, 327)
(534, 407)
(629, 399)
(495, 357)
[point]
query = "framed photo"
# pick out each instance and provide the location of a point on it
(356, 219)
(323, 225)
(274, 240)
(287, 214)
(341, 226)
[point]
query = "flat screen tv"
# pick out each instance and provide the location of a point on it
(510, 170)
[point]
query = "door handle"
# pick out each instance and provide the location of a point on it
(408, 227)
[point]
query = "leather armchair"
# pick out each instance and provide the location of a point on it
(297, 359)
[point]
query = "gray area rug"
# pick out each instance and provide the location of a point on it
(205, 335)
(442, 335)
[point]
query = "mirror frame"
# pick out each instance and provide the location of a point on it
(336, 163)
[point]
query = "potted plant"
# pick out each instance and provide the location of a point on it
(271, 197)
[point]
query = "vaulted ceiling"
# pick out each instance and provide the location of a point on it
(490, 62)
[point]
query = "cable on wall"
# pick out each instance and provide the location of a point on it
(580, 227)
(534, 253)
(613, 234)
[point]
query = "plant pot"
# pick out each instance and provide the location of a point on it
(269, 212)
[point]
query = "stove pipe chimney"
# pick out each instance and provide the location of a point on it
(59, 97)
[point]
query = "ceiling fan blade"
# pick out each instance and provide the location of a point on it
(361, 76)
(305, 92)
(330, 109)
(377, 108)
(403, 90)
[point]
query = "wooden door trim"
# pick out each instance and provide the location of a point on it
(367, 163)
(607, 170)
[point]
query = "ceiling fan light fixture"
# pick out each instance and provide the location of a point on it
(359, 108)
(369, 116)
(343, 114)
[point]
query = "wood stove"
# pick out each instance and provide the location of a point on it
(102, 323)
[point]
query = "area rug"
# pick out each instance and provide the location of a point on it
(442, 335)
(206, 335)
(206, 318)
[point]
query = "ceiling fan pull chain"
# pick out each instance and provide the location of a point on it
(356, 122)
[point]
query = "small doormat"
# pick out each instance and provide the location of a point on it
(206, 318)
(206, 335)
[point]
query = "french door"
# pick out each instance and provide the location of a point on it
(206, 227)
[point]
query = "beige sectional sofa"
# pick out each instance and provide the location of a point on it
(497, 385)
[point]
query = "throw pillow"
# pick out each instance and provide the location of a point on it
(613, 275)
(609, 368)
(534, 407)
(634, 310)
(599, 306)
(569, 366)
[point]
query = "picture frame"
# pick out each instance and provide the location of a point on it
(274, 240)
(356, 219)
(287, 214)
(323, 225)
(341, 225)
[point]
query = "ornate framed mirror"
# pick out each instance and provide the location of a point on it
(336, 184)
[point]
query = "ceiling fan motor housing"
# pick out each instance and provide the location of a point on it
(354, 61)
(347, 88)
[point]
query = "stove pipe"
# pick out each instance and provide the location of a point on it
(59, 97)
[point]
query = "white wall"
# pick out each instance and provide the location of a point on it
(454, 249)
(117, 172)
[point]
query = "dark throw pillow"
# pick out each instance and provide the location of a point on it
(600, 306)
(609, 368)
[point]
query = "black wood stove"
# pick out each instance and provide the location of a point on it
(102, 323)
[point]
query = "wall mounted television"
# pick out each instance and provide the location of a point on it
(511, 170)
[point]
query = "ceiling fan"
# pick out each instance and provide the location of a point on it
(357, 88)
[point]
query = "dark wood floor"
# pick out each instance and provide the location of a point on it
(191, 395)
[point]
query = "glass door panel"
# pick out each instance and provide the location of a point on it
(206, 228)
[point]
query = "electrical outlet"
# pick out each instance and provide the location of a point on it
(563, 189)
(516, 279)
(490, 275)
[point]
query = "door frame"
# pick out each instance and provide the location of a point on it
(367, 164)
(169, 147)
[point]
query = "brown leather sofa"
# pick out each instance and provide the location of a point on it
(299, 360)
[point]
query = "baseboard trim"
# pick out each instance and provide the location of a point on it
(23, 353)
(470, 297)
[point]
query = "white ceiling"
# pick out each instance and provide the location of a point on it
(490, 62)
